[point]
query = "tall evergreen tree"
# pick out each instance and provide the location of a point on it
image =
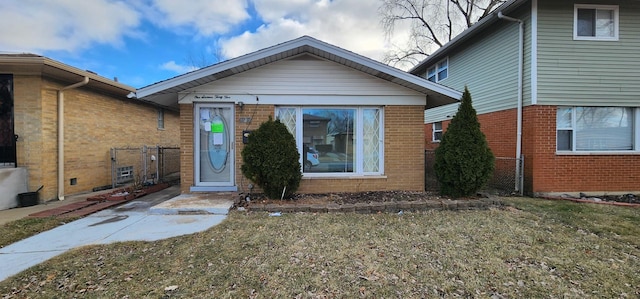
(464, 161)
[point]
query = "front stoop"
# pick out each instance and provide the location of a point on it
(196, 203)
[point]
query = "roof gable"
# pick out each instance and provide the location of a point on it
(165, 92)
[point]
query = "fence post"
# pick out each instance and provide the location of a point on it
(521, 175)
(113, 167)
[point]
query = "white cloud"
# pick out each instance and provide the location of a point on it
(351, 24)
(67, 25)
(174, 67)
(207, 17)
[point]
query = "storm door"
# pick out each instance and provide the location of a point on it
(214, 147)
(7, 135)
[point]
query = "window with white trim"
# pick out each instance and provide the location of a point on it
(160, 118)
(596, 129)
(438, 72)
(436, 135)
(595, 22)
(337, 140)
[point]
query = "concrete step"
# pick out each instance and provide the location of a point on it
(196, 204)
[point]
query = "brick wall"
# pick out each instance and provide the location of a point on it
(499, 128)
(94, 123)
(404, 152)
(545, 172)
(553, 173)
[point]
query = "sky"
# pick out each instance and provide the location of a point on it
(141, 42)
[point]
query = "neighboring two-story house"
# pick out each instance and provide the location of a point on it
(556, 81)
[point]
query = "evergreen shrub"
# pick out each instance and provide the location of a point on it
(464, 162)
(271, 160)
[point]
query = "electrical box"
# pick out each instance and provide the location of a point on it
(245, 136)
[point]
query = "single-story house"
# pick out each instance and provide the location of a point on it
(320, 92)
(58, 124)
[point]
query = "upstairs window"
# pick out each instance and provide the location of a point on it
(438, 72)
(595, 22)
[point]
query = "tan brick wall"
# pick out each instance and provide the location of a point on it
(94, 123)
(404, 152)
(186, 148)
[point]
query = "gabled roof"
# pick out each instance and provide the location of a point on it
(471, 32)
(31, 64)
(166, 92)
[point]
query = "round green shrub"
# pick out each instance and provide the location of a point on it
(271, 160)
(464, 162)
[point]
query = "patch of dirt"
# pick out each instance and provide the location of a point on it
(352, 197)
(627, 198)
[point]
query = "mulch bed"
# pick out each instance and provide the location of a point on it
(364, 202)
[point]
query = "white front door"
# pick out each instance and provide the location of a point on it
(214, 147)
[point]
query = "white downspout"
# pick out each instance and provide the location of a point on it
(518, 186)
(61, 135)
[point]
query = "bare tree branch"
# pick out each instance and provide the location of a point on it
(432, 24)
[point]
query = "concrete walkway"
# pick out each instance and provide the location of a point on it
(134, 221)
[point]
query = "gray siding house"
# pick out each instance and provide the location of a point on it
(555, 81)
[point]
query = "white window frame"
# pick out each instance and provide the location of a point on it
(635, 129)
(359, 134)
(160, 119)
(435, 70)
(616, 21)
(434, 131)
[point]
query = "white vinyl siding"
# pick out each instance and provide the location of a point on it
(586, 72)
(306, 75)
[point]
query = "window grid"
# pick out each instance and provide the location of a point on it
(438, 72)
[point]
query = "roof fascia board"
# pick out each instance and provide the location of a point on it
(92, 76)
(293, 44)
(222, 66)
(44, 61)
(467, 34)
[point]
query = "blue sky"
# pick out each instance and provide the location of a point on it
(145, 41)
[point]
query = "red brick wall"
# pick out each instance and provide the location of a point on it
(499, 128)
(553, 173)
(545, 171)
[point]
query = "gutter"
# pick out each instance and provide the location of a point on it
(61, 134)
(518, 184)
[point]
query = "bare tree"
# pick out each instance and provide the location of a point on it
(432, 24)
(206, 56)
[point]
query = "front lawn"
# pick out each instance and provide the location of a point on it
(535, 249)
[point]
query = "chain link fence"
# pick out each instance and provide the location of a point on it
(144, 165)
(503, 180)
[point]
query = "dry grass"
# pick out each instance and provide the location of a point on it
(14, 231)
(542, 249)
